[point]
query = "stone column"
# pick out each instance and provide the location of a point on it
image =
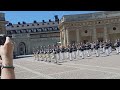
(64, 37)
(61, 37)
(67, 36)
(77, 35)
(94, 34)
(105, 33)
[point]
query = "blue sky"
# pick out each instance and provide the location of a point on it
(30, 16)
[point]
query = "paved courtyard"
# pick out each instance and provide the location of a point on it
(90, 68)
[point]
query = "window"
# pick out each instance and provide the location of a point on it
(22, 25)
(50, 28)
(86, 31)
(34, 30)
(12, 32)
(8, 32)
(42, 23)
(114, 28)
(27, 25)
(18, 31)
(37, 24)
(48, 23)
(45, 29)
(39, 29)
(29, 30)
(32, 24)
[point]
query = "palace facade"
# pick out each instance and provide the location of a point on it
(27, 36)
(90, 27)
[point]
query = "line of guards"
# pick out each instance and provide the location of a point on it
(58, 54)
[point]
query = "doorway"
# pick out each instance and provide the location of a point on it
(22, 48)
(100, 39)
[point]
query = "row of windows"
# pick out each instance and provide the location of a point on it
(46, 35)
(114, 28)
(32, 30)
(95, 22)
(29, 25)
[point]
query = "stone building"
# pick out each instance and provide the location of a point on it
(90, 27)
(33, 35)
(3, 22)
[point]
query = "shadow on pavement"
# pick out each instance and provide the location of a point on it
(23, 56)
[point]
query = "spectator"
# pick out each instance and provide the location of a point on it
(6, 53)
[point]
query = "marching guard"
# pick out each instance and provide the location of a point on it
(54, 52)
(107, 48)
(34, 53)
(37, 54)
(67, 52)
(70, 51)
(118, 41)
(117, 46)
(97, 46)
(87, 49)
(58, 53)
(74, 51)
(62, 53)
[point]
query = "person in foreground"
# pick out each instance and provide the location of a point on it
(6, 53)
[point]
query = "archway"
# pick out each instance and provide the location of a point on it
(22, 48)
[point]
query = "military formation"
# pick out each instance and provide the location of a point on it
(57, 53)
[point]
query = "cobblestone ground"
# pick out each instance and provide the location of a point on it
(103, 67)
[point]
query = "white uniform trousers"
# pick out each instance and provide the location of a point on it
(71, 56)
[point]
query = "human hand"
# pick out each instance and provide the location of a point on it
(6, 52)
